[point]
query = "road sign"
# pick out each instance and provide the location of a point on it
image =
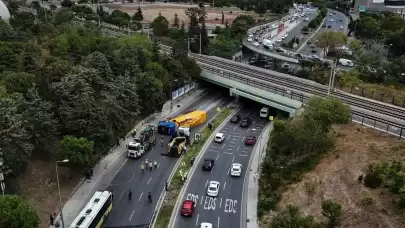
(362, 8)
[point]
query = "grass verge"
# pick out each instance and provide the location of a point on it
(169, 202)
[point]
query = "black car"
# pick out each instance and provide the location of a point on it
(329, 26)
(208, 164)
(235, 119)
(245, 122)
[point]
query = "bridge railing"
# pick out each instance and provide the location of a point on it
(358, 117)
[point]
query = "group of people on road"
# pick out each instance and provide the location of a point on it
(149, 164)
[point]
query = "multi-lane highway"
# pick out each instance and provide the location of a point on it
(223, 211)
(138, 212)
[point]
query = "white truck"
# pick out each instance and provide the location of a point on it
(135, 150)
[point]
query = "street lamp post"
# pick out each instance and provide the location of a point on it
(60, 198)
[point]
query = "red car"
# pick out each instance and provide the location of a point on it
(251, 140)
(188, 208)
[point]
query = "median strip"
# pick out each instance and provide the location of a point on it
(176, 184)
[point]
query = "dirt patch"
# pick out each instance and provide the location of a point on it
(38, 185)
(336, 177)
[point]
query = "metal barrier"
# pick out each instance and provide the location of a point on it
(386, 126)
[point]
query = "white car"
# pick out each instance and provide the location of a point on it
(250, 39)
(284, 36)
(206, 225)
(250, 35)
(213, 188)
(256, 43)
(236, 169)
(331, 20)
(279, 40)
(341, 27)
(219, 138)
(306, 19)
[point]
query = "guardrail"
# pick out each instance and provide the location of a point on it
(358, 117)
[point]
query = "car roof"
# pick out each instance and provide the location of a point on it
(188, 203)
(219, 134)
(133, 143)
(206, 225)
(208, 159)
(214, 182)
(236, 164)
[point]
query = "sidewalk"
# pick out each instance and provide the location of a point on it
(108, 167)
(253, 188)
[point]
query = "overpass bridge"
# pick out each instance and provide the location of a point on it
(237, 88)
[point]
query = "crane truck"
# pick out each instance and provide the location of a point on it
(143, 143)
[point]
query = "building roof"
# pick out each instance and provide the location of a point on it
(4, 13)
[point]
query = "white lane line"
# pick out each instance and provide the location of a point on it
(132, 177)
(132, 214)
(229, 136)
(230, 149)
(217, 157)
(122, 194)
(248, 130)
(228, 173)
(218, 222)
(140, 197)
(206, 183)
(242, 154)
(227, 153)
(231, 145)
(213, 151)
(196, 221)
(254, 122)
(238, 148)
(220, 203)
(224, 186)
(234, 128)
(223, 146)
(243, 139)
(233, 158)
(149, 180)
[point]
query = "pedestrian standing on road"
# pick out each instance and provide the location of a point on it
(118, 142)
(166, 187)
(156, 164)
(161, 142)
(129, 194)
(192, 161)
(143, 167)
(150, 166)
(149, 197)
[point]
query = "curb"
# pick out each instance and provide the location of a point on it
(192, 169)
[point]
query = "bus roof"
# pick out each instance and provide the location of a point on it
(90, 211)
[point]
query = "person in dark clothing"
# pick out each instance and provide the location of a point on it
(149, 197)
(51, 219)
(112, 195)
(118, 142)
(192, 161)
(130, 195)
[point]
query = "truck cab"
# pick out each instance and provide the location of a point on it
(134, 150)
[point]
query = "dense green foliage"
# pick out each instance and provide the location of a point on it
(59, 78)
(292, 218)
(332, 211)
(296, 146)
(390, 175)
(16, 213)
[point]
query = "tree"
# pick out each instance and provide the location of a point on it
(15, 212)
(160, 26)
(330, 40)
(176, 21)
(292, 218)
(77, 150)
(332, 210)
(327, 111)
(350, 78)
(17, 82)
(138, 15)
(150, 92)
(155, 51)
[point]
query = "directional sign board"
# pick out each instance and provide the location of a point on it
(362, 8)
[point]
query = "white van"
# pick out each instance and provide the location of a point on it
(264, 112)
(346, 62)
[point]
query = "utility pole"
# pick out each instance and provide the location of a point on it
(200, 41)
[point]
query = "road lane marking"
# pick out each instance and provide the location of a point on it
(115, 174)
(238, 148)
(224, 186)
(243, 155)
(234, 128)
(121, 195)
(233, 158)
(220, 203)
(217, 157)
(254, 122)
(228, 171)
(149, 180)
(132, 214)
(140, 197)
(196, 221)
(213, 151)
(230, 149)
(218, 222)
(132, 177)
(229, 136)
(243, 139)
(223, 146)
(227, 153)
(231, 145)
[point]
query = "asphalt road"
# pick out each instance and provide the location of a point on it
(138, 211)
(339, 19)
(223, 211)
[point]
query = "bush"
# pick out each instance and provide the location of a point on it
(332, 210)
(291, 217)
(373, 180)
(267, 204)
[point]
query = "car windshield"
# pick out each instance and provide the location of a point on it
(236, 168)
(207, 162)
(244, 121)
(212, 188)
(250, 138)
(132, 147)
